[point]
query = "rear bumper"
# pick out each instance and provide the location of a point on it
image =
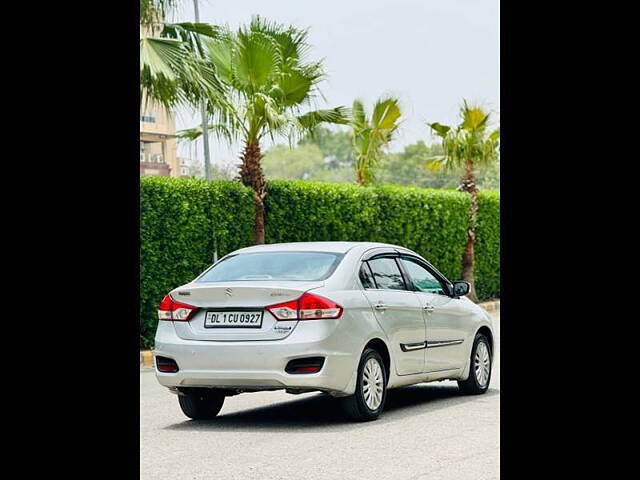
(260, 365)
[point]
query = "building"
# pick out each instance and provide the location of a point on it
(186, 169)
(158, 142)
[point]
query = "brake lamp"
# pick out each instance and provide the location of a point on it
(307, 307)
(171, 310)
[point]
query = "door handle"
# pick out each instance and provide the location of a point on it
(428, 308)
(381, 306)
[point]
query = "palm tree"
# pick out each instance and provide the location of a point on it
(263, 67)
(466, 147)
(371, 135)
(171, 70)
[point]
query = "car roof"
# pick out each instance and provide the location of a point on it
(335, 247)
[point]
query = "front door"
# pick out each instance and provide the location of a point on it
(398, 312)
(445, 319)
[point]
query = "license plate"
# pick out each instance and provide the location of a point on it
(233, 319)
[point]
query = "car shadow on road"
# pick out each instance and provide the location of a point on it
(322, 411)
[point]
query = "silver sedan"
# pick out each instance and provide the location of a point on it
(351, 319)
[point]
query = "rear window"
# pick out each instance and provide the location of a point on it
(296, 266)
(387, 274)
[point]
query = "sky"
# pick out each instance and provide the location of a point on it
(429, 53)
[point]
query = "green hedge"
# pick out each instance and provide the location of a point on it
(487, 247)
(179, 218)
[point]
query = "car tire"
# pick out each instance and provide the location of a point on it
(200, 404)
(372, 372)
(479, 378)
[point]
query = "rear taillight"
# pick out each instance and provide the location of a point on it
(315, 306)
(307, 307)
(169, 309)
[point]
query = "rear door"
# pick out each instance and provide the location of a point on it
(445, 319)
(397, 310)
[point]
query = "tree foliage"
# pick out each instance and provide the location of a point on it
(172, 71)
(371, 134)
(469, 141)
(335, 163)
(467, 147)
(300, 163)
(335, 145)
(269, 81)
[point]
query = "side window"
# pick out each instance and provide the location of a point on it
(386, 274)
(365, 276)
(422, 279)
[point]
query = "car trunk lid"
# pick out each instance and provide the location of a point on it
(223, 303)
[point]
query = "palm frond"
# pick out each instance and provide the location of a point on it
(311, 120)
(219, 51)
(440, 129)
(386, 113)
(358, 114)
(191, 34)
(291, 42)
(371, 136)
(220, 131)
(183, 31)
(161, 56)
(254, 61)
(473, 118)
(293, 88)
(170, 74)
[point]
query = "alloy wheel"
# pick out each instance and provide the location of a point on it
(482, 364)
(372, 383)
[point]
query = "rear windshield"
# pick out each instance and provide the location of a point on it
(301, 266)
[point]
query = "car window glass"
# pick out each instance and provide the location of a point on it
(365, 277)
(263, 266)
(386, 274)
(422, 279)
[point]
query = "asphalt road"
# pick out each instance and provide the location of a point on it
(427, 431)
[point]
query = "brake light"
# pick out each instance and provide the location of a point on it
(315, 306)
(307, 307)
(171, 310)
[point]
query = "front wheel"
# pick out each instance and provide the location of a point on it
(480, 369)
(367, 402)
(200, 403)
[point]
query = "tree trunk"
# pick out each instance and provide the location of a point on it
(251, 175)
(468, 257)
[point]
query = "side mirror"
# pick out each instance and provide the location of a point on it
(460, 289)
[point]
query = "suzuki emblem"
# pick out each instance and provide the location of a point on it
(229, 292)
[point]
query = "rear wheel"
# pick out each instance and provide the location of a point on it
(367, 402)
(480, 369)
(201, 404)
